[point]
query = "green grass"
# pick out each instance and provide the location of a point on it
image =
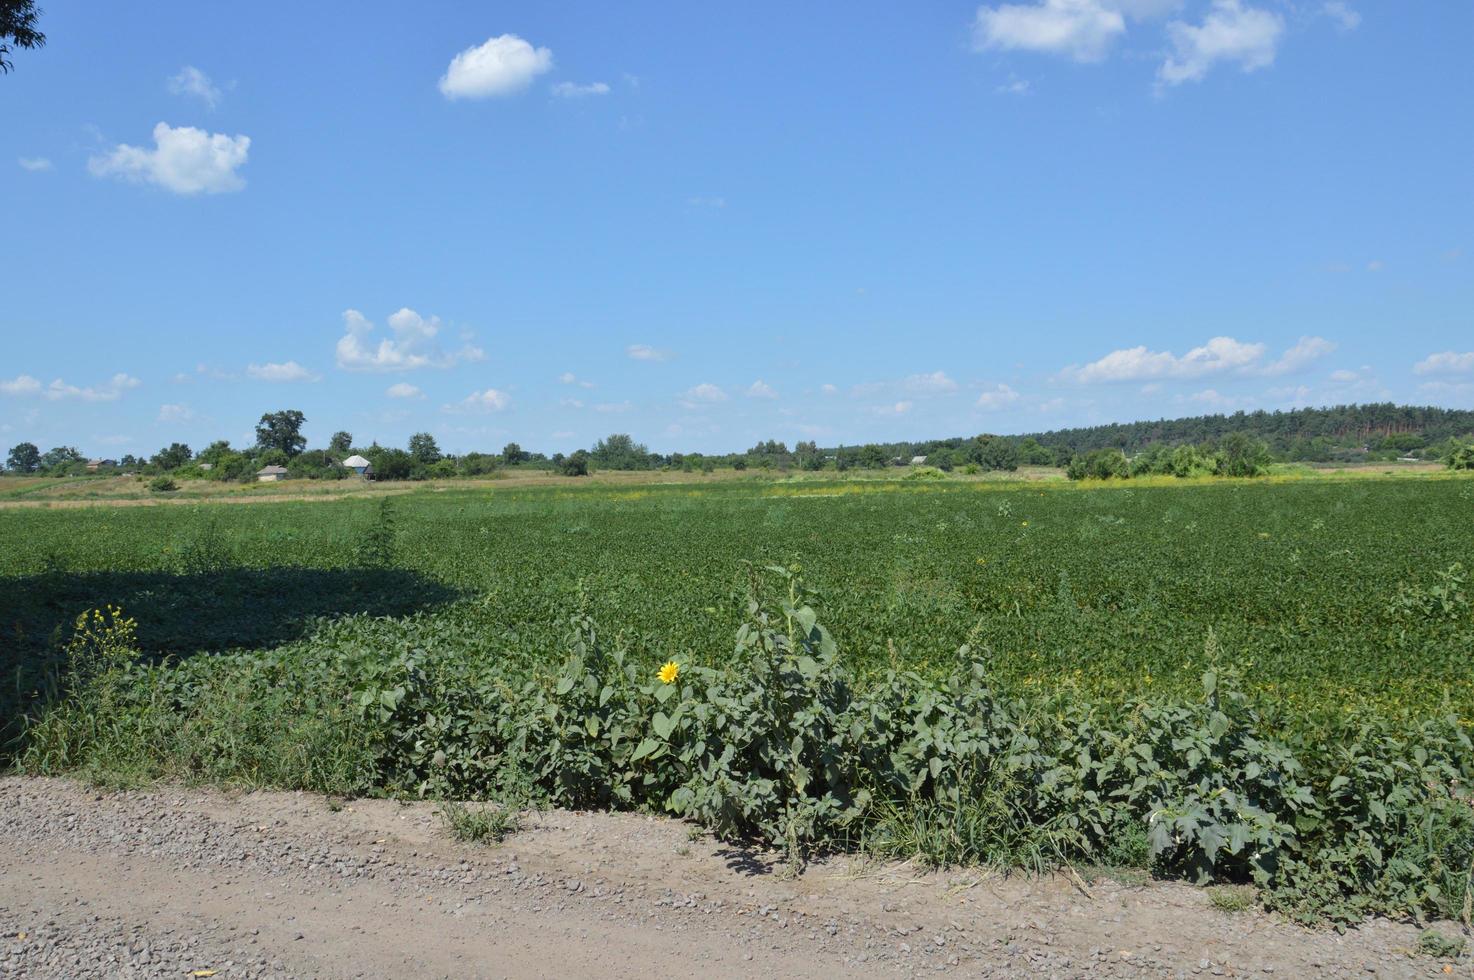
(479, 823)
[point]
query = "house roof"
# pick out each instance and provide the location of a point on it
(271, 470)
(356, 460)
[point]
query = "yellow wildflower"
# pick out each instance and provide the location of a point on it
(670, 672)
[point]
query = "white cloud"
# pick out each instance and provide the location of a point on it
(490, 400)
(111, 391)
(1015, 86)
(22, 385)
(569, 378)
(829, 389)
(935, 383)
(573, 90)
(761, 389)
(570, 402)
(1230, 32)
(175, 413)
(1344, 377)
(708, 394)
(184, 160)
(1346, 19)
(412, 345)
(502, 66)
(285, 371)
(1081, 29)
(644, 352)
(997, 397)
(1305, 352)
(1139, 364)
(899, 408)
(402, 389)
(1212, 399)
(1446, 362)
(34, 164)
(193, 82)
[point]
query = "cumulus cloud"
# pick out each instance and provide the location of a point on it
(703, 394)
(175, 413)
(573, 90)
(412, 344)
(1346, 19)
(1345, 377)
(490, 400)
(403, 389)
(34, 164)
(1305, 352)
(761, 389)
(1446, 362)
(111, 391)
(899, 408)
(569, 378)
(997, 397)
(1080, 29)
(1230, 32)
(194, 83)
(504, 65)
(283, 372)
(1139, 364)
(183, 160)
(644, 352)
(22, 384)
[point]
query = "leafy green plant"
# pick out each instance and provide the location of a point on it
(479, 824)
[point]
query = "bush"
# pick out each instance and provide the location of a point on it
(783, 743)
(162, 484)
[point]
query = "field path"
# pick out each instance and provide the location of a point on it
(170, 881)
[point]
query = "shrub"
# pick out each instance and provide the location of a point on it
(162, 484)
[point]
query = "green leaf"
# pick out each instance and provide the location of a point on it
(565, 684)
(644, 748)
(661, 724)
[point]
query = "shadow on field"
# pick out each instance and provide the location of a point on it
(183, 614)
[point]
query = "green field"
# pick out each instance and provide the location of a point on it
(1259, 680)
(1320, 589)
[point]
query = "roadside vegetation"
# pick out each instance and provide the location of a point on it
(1239, 683)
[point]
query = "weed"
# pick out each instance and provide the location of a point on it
(479, 823)
(1231, 898)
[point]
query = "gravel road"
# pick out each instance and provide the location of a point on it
(173, 882)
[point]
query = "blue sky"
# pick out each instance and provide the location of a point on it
(707, 225)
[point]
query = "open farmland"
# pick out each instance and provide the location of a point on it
(1316, 588)
(1237, 681)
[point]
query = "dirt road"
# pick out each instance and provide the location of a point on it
(172, 881)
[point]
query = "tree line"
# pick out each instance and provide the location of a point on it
(1241, 444)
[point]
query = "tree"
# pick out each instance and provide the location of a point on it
(620, 452)
(172, 457)
(1241, 455)
(59, 457)
(216, 451)
(341, 442)
(577, 464)
(282, 430)
(512, 454)
(24, 458)
(18, 27)
(1458, 457)
(423, 448)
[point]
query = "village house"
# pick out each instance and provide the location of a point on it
(271, 474)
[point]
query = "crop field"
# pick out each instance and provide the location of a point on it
(1325, 593)
(1243, 680)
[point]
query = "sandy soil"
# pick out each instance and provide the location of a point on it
(170, 881)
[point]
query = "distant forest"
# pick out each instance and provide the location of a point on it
(1301, 433)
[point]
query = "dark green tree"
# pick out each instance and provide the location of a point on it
(18, 20)
(24, 458)
(512, 454)
(423, 448)
(172, 457)
(282, 430)
(60, 456)
(576, 464)
(341, 442)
